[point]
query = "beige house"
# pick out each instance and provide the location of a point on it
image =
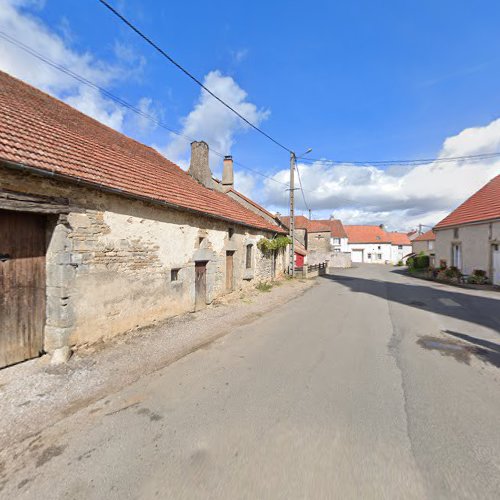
(469, 237)
(100, 234)
(425, 243)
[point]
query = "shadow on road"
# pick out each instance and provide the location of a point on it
(482, 311)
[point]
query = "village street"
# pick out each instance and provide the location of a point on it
(329, 396)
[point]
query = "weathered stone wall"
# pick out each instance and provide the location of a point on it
(318, 242)
(109, 261)
(339, 260)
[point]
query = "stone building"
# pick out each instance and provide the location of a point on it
(425, 243)
(469, 237)
(100, 234)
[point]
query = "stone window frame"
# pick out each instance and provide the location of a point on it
(174, 274)
(249, 256)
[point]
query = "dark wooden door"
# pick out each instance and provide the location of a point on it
(229, 271)
(22, 286)
(200, 285)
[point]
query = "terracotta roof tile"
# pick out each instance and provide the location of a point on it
(39, 131)
(366, 234)
(428, 236)
(399, 238)
(481, 206)
(334, 226)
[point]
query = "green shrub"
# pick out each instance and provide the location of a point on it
(421, 261)
(400, 263)
(264, 286)
(276, 244)
(480, 273)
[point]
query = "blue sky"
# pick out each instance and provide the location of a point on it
(357, 80)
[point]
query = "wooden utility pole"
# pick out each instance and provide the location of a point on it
(310, 214)
(292, 213)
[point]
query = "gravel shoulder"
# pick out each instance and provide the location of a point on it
(35, 395)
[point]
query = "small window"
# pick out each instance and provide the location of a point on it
(201, 239)
(249, 257)
(174, 274)
(455, 233)
(378, 248)
(230, 232)
(431, 245)
(336, 241)
(379, 256)
(369, 256)
(400, 247)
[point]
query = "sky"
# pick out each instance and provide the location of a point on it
(357, 81)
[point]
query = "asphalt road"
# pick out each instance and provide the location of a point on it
(344, 392)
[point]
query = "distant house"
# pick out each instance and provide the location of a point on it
(319, 237)
(372, 244)
(369, 244)
(425, 243)
(401, 247)
(469, 237)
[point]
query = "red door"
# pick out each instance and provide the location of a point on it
(299, 260)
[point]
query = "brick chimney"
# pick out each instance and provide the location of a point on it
(227, 174)
(199, 168)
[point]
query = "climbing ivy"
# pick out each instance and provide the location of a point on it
(267, 246)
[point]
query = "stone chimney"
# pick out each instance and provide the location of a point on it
(227, 174)
(199, 168)
(381, 226)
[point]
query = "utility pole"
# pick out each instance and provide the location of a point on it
(292, 213)
(420, 229)
(310, 214)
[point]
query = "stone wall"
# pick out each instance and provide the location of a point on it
(109, 261)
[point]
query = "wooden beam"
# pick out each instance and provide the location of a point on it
(22, 202)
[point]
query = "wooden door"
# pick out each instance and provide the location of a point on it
(22, 286)
(229, 271)
(200, 285)
(299, 260)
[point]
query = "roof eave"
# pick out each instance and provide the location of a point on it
(107, 189)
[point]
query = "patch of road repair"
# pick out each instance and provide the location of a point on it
(449, 302)
(460, 351)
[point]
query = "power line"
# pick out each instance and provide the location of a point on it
(301, 187)
(414, 162)
(187, 73)
(117, 99)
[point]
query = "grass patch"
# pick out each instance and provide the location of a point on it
(264, 286)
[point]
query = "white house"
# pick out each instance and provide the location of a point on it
(401, 247)
(373, 244)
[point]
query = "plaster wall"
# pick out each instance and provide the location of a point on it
(476, 242)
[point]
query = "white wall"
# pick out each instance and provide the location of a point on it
(374, 249)
(397, 254)
(342, 246)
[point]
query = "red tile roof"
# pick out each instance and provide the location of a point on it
(428, 236)
(334, 226)
(366, 234)
(41, 132)
(399, 238)
(483, 205)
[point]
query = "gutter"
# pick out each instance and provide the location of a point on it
(73, 179)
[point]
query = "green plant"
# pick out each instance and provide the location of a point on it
(264, 286)
(400, 263)
(421, 261)
(452, 272)
(279, 243)
(480, 273)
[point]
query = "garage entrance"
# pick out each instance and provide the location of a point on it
(357, 255)
(22, 286)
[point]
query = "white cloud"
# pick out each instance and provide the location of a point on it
(18, 21)
(401, 197)
(212, 122)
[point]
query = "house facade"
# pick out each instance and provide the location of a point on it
(425, 243)
(372, 244)
(100, 234)
(469, 237)
(321, 238)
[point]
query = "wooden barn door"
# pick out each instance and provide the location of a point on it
(200, 285)
(22, 286)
